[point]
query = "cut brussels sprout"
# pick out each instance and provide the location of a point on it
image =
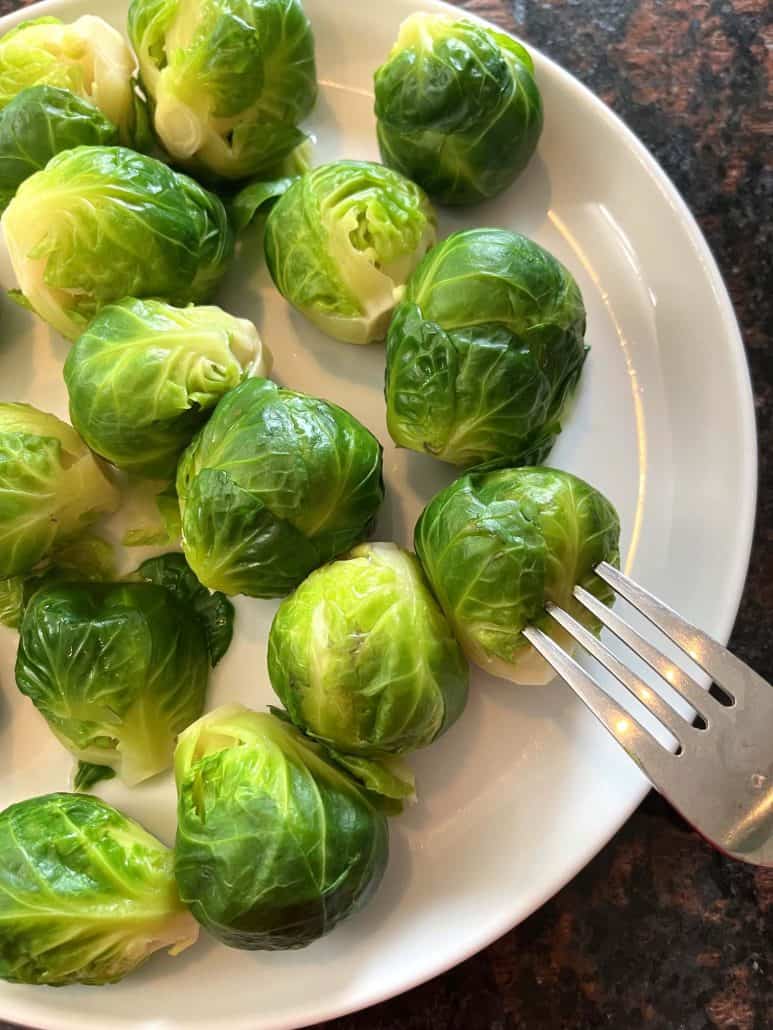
(458, 108)
(99, 224)
(341, 243)
(51, 487)
(117, 670)
(275, 845)
(484, 351)
(88, 57)
(497, 546)
(41, 122)
(362, 657)
(275, 484)
(86, 894)
(145, 376)
(230, 80)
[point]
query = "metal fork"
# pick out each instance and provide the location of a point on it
(720, 777)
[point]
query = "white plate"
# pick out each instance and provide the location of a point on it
(526, 788)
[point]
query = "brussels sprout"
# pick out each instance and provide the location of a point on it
(86, 894)
(230, 79)
(51, 487)
(362, 657)
(497, 546)
(88, 58)
(484, 351)
(275, 845)
(117, 670)
(275, 484)
(41, 122)
(145, 376)
(458, 108)
(102, 223)
(341, 243)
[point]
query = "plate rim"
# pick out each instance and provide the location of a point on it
(32, 1014)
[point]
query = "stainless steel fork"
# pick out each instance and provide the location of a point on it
(720, 775)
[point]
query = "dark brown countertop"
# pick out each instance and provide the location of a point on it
(659, 931)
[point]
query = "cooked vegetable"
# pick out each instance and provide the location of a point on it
(362, 657)
(231, 79)
(102, 223)
(86, 894)
(117, 670)
(458, 108)
(497, 546)
(214, 610)
(341, 243)
(145, 376)
(88, 57)
(86, 559)
(275, 484)
(484, 351)
(41, 122)
(51, 487)
(275, 845)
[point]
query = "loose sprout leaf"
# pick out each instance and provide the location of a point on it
(145, 536)
(11, 601)
(86, 894)
(257, 198)
(458, 108)
(168, 506)
(213, 609)
(87, 775)
(229, 84)
(275, 844)
(390, 777)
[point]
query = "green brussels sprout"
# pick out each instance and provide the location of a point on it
(230, 79)
(496, 546)
(86, 894)
(116, 669)
(88, 58)
(275, 484)
(275, 845)
(484, 351)
(41, 122)
(102, 223)
(51, 487)
(362, 657)
(145, 376)
(458, 108)
(341, 243)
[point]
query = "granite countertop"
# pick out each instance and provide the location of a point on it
(659, 931)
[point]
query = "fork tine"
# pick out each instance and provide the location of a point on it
(627, 731)
(652, 701)
(676, 677)
(724, 668)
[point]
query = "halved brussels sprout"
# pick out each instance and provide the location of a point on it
(362, 657)
(145, 376)
(86, 894)
(484, 351)
(275, 845)
(341, 243)
(102, 223)
(51, 487)
(116, 669)
(88, 57)
(458, 108)
(275, 484)
(230, 80)
(496, 546)
(41, 122)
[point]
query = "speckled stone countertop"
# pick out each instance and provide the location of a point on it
(659, 931)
